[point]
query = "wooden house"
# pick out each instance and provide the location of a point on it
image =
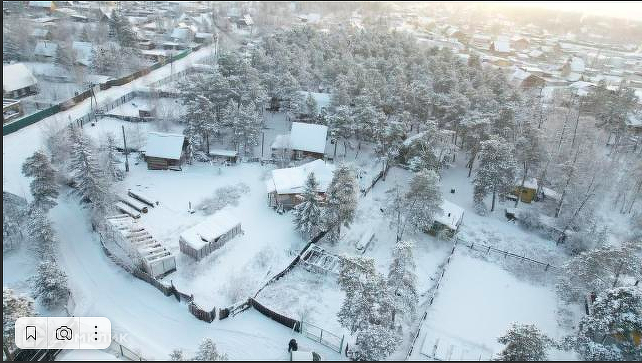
(286, 185)
(165, 151)
(448, 220)
(18, 81)
(528, 192)
(308, 140)
(209, 235)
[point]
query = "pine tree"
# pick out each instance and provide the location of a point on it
(311, 105)
(65, 56)
(375, 343)
(207, 352)
(402, 281)
(341, 201)
(308, 214)
(89, 179)
(609, 332)
(341, 125)
(176, 355)
(14, 306)
(43, 187)
(496, 172)
(246, 126)
(50, 284)
(41, 232)
(110, 160)
(423, 199)
(524, 342)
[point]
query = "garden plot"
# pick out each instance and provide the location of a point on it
(476, 303)
(241, 266)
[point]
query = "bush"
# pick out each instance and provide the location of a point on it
(530, 219)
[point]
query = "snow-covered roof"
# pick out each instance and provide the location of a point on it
(248, 19)
(292, 180)
(210, 229)
(519, 75)
(530, 183)
(577, 65)
(40, 33)
(84, 52)
(166, 146)
(535, 53)
(46, 49)
(451, 214)
(222, 152)
(204, 35)
(550, 193)
(16, 76)
(181, 33)
(281, 142)
(634, 120)
(502, 46)
(573, 77)
(308, 137)
(41, 4)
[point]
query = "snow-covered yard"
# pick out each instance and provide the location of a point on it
(239, 268)
(476, 303)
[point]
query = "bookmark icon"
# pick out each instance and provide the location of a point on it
(30, 331)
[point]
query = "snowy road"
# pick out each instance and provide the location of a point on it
(142, 318)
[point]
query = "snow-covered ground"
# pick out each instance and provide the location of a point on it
(142, 318)
(476, 303)
(86, 355)
(242, 265)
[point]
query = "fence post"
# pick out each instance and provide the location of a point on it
(341, 346)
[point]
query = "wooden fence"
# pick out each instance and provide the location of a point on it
(67, 104)
(279, 318)
(488, 249)
(201, 313)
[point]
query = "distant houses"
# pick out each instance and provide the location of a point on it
(165, 151)
(18, 81)
(285, 186)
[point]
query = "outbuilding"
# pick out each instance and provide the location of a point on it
(165, 151)
(448, 220)
(286, 185)
(18, 81)
(209, 235)
(308, 140)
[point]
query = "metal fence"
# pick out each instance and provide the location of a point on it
(323, 336)
(121, 351)
(501, 253)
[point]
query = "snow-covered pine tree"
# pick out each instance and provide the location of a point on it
(176, 355)
(341, 125)
(49, 284)
(246, 127)
(375, 343)
(110, 160)
(207, 352)
(43, 187)
(599, 269)
(14, 306)
(41, 232)
(354, 313)
(90, 182)
(524, 342)
(496, 172)
(65, 56)
(423, 199)
(341, 201)
(308, 214)
(402, 281)
(311, 105)
(612, 330)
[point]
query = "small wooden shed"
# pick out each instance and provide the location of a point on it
(209, 235)
(165, 151)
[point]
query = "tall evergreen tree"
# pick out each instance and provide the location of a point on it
(50, 284)
(341, 201)
(423, 199)
(524, 342)
(496, 172)
(43, 187)
(402, 281)
(308, 214)
(88, 177)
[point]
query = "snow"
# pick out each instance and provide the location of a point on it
(577, 65)
(292, 180)
(308, 137)
(45, 49)
(84, 52)
(476, 303)
(281, 142)
(16, 76)
(146, 321)
(502, 46)
(85, 355)
(222, 152)
(209, 230)
(164, 145)
(322, 99)
(451, 215)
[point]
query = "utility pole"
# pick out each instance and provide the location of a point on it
(126, 152)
